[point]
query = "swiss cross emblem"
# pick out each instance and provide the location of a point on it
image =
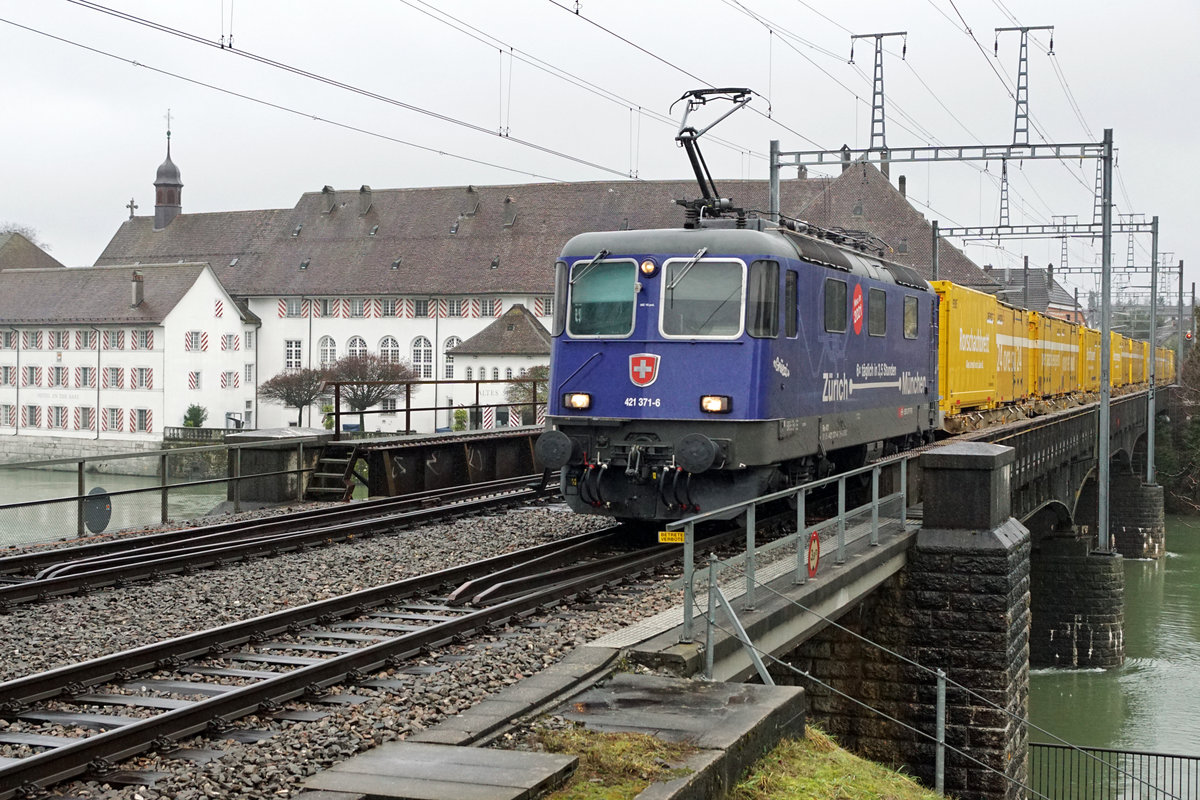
(643, 369)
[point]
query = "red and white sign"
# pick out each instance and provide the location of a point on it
(643, 369)
(856, 309)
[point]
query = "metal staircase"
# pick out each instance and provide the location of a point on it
(334, 476)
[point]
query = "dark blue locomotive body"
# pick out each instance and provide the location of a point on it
(693, 368)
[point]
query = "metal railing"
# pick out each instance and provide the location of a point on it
(185, 434)
(146, 493)
(1094, 773)
(808, 557)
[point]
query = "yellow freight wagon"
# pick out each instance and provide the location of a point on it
(1014, 354)
(1140, 366)
(1118, 372)
(1164, 368)
(1059, 347)
(967, 350)
(1089, 347)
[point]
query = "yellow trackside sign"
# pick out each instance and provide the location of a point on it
(670, 537)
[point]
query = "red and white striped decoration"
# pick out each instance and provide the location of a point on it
(497, 309)
(541, 414)
(473, 307)
(133, 340)
(514, 417)
(282, 308)
(306, 308)
(36, 422)
(149, 421)
(150, 378)
(374, 307)
(344, 308)
(218, 308)
(78, 416)
(406, 308)
(79, 340)
(193, 379)
(204, 341)
(231, 341)
(149, 340)
(442, 309)
(224, 380)
(489, 418)
(539, 307)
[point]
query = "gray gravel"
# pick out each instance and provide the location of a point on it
(41, 637)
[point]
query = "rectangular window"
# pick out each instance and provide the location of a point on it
(700, 298)
(87, 377)
(229, 341)
(58, 340)
(112, 377)
(910, 317)
(249, 340)
(114, 340)
(545, 306)
(357, 307)
(229, 380)
(8, 340)
(388, 306)
(57, 417)
(8, 415)
(32, 416)
(835, 305)
(293, 307)
(487, 308)
(192, 341)
(291, 354)
(388, 404)
(8, 376)
(112, 419)
(454, 308)
(249, 374)
(327, 307)
(87, 418)
(791, 304)
(194, 380)
(58, 376)
(31, 377)
(144, 340)
(142, 376)
(762, 300)
(420, 308)
(876, 312)
(85, 340)
(141, 418)
(449, 373)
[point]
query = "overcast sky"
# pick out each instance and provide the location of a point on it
(84, 130)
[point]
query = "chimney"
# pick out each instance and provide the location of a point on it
(885, 163)
(137, 294)
(802, 173)
(1049, 277)
(364, 199)
(330, 198)
(903, 187)
(845, 157)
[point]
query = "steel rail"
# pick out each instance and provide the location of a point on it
(36, 560)
(35, 772)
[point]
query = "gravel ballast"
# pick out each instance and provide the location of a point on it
(41, 637)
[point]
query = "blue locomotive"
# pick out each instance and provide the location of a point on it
(693, 368)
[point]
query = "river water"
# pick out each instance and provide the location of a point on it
(1153, 701)
(60, 521)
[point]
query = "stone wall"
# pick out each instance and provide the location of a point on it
(1135, 517)
(48, 448)
(1077, 599)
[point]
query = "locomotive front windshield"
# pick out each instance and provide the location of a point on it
(702, 298)
(602, 296)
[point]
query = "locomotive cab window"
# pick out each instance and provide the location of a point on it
(559, 321)
(835, 305)
(910, 317)
(876, 312)
(602, 298)
(762, 300)
(702, 298)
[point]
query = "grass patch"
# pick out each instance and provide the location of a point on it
(815, 768)
(613, 766)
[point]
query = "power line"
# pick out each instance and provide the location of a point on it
(341, 85)
(277, 106)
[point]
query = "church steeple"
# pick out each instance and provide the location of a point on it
(168, 189)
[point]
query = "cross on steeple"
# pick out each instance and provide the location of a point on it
(132, 206)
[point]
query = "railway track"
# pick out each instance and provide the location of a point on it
(40, 575)
(155, 695)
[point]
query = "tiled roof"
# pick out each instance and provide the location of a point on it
(861, 198)
(17, 252)
(92, 295)
(1012, 283)
(486, 239)
(515, 333)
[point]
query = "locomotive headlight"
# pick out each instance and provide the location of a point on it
(648, 268)
(577, 400)
(716, 403)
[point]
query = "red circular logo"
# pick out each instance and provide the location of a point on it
(857, 310)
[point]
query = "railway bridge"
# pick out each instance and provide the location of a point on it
(1003, 574)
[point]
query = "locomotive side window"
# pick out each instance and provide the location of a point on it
(835, 305)
(876, 312)
(762, 300)
(602, 296)
(791, 304)
(560, 299)
(910, 317)
(702, 298)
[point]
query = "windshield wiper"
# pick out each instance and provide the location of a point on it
(586, 268)
(699, 254)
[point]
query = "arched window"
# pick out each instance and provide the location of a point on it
(508, 373)
(356, 347)
(422, 358)
(389, 350)
(495, 373)
(470, 374)
(328, 349)
(450, 344)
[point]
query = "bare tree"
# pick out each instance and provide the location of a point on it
(368, 380)
(27, 231)
(296, 389)
(531, 391)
